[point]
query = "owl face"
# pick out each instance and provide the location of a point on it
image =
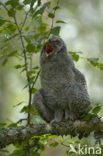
(54, 50)
(53, 46)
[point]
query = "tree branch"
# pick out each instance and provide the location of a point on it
(52, 23)
(26, 66)
(20, 134)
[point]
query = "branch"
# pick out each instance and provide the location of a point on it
(20, 134)
(53, 18)
(35, 79)
(26, 64)
(26, 15)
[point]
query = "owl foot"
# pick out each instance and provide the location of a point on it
(55, 121)
(68, 115)
(58, 116)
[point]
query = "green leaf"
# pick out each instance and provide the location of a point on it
(32, 3)
(39, 2)
(13, 3)
(41, 10)
(11, 36)
(30, 48)
(36, 67)
(54, 144)
(31, 72)
(2, 21)
(1, 150)
(18, 152)
(93, 61)
(28, 38)
(75, 56)
(100, 66)
(5, 60)
(55, 8)
(27, 2)
(25, 110)
(55, 30)
(97, 103)
(97, 109)
(12, 53)
(20, 7)
(59, 21)
(18, 66)
(34, 90)
(11, 27)
(18, 104)
(11, 12)
(87, 117)
(2, 124)
(51, 15)
(42, 27)
(12, 125)
(31, 79)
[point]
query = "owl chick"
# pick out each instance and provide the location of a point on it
(63, 94)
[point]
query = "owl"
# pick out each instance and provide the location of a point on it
(63, 94)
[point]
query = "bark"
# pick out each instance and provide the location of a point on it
(20, 134)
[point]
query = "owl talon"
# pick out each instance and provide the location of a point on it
(68, 115)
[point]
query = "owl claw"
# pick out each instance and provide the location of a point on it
(68, 115)
(55, 121)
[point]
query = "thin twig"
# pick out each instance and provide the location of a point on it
(64, 145)
(25, 59)
(35, 79)
(25, 20)
(20, 121)
(53, 18)
(31, 61)
(4, 7)
(26, 68)
(28, 78)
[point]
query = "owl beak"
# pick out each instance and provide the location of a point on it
(49, 48)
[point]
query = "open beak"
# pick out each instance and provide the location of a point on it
(49, 48)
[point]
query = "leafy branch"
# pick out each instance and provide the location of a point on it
(52, 15)
(25, 57)
(21, 134)
(93, 61)
(26, 67)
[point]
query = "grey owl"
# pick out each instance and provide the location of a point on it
(63, 93)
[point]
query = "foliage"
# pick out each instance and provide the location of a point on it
(31, 33)
(93, 61)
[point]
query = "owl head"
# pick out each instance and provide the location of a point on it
(53, 46)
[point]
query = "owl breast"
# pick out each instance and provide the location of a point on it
(55, 81)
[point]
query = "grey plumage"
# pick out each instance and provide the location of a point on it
(63, 95)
